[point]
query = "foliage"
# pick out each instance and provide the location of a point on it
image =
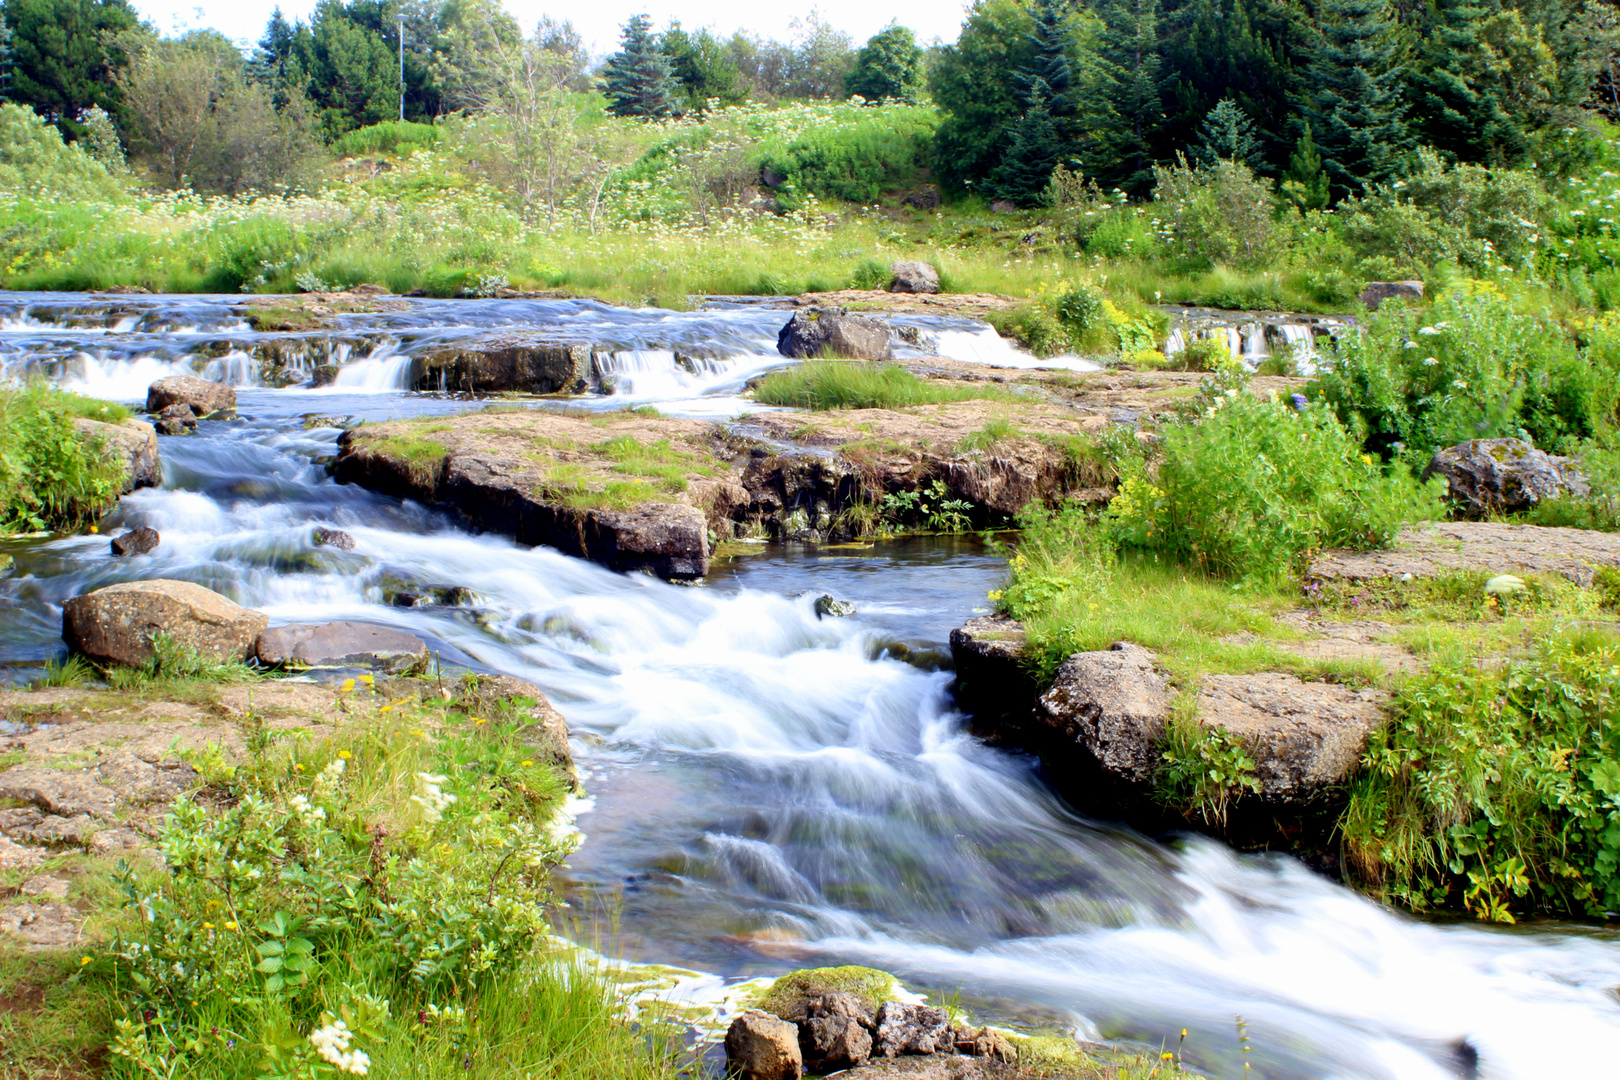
(928, 507)
(849, 384)
(174, 661)
(34, 161)
(1494, 789)
(65, 55)
(1256, 485)
(888, 68)
(638, 79)
(388, 137)
(1203, 768)
(857, 156)
(974, 81)
(51, 476)
(1228, 135)
(1217, 214)
(703, 67)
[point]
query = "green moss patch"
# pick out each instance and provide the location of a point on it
(786, 996)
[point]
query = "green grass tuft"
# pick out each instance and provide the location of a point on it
(848, 384)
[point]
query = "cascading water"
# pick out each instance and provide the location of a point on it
(773, 790)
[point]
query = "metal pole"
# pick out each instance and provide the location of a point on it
(402, 67)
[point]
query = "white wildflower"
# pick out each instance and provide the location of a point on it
(1459, 385)
(332, 1043)
(432, 800)
(1430, 361)
(305, 811)
(1429, 331)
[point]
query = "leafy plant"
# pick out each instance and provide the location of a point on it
(51, 476)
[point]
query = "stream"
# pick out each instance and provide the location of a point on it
(771, 790)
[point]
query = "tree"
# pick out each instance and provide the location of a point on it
(1351, 94)
(563, 40)
(818, 60)
(1227, 135)
(888, 68)
(976, 86)
(352, 71)
(5, 57)
(637, 79)
(66, 55)
(1036, 150)
(703, 67)
(1305, 184)
(1129, 120)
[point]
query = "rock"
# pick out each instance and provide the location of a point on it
(135, 442)
(836, 334)
(987, 1044)
(1303, 737)
(828, 607)
(991, 682)
(1441, 548)
(911, 1029)
(1495, 476)
(175, 419)
(1377, 292)
(411, 599)
(6, 564)
(333, 538)
(323, 375)
(340, 644)
(771, 178)
(369, 289)
(506, 363)
(830, 1043)
(1004, 206)
(1114, 704)
(922, 199)
(914, 277)
(932, 1067)
(760, 1046)
(200, 395)
(114, 625)
(135, 542)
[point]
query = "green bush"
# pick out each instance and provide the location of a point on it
(388, 137)
(51, 477)
(1256, 486)
(35, 162)
(849, 384)
(857, 156)
(1034, 326)
(1496, 789)
(1218, 213)
(1469, 368)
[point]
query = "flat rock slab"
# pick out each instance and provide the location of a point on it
(339, 644)
(1439, 549)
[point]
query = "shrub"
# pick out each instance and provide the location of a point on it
(856, 155)
(1257, 485)
(1218, 213)
(848, 384)
(51, 477)
(388, 137)
(35, 162)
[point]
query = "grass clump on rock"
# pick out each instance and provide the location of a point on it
(847, 384)
(52, 476)
(786, 997)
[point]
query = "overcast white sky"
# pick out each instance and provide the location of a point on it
(599, 20)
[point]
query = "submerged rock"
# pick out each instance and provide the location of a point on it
(333, 538)
(914, 277)
(200, 395)
(760, 1046)
(135, 443)
(340, 644)
(834, 333)
(829, 607)
(1498, 476)
(506, 363)
(135, 542)
(115, 625)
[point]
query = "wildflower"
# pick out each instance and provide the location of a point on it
(525, 763)
(433, 799)
(1430, 361)
(83, 960)
(343, 755)
(1429, 331)
(332, 1043)
(1459, 384)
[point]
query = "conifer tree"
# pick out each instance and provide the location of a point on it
(1305, 184)
(1352, 99)
(1235, 49)
(5, 57)
(1128, 120)
(638, 79)
(1036, 150)
(1227, 135)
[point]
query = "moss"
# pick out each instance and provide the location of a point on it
(284, 319)
(421, 456)
(787, 995)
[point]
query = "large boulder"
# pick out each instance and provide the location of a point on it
(1494, 476)
(506, 363)
(199, 395)
(913, 277)
(340, 644)
(115, 625)
(992, 684)
(1377, 292)
(133, 442)
(760, 1046)
(835, 334)
(1304, 737)
(1114, 704)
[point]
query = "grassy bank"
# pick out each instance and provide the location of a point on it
(51, 476)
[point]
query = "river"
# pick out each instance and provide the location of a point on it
(770, 790)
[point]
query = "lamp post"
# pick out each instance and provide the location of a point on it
(402, 66)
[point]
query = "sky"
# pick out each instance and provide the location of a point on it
(599, 20)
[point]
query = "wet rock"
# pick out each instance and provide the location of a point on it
(340, 644)
(985, 1043)
(323, 375)
(1495, 476)
(411, 599)
(175, 419)
(7, 563)
(115, 624)
(506, 363)
(913, 277)
(992, 684)
(828, 607)
(201, 396)
(834, 333)
(760, 1046)
(333, 538)
(911, 1029)
(1377, 292)
(830, 1043)
(1304, 737)
(134, 442)
(1114, 704)
(318, 420)
(135, 542)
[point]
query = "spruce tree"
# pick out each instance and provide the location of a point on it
(1036, 150)
(1305, 184)
(1227, 135)
(1235, 49)
(1353, 103)
(976, 84)
(1482, 81)
(1049, 76)
(1128, 122)
(5, 57)
(638, 79)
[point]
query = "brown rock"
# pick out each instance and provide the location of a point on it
(333, 538)
(1499, 476)
(1377, 292)
(760, 1046)
(340, 644)
(133, 441)
(506, 363)
(830, 1043)
(115, 624)
(835, 334)
(1445, 547)
(1003, 206)
(914, 277)
(922, 199)
(932, 1067)
(135, 542)
(176, 419)
(1114, 704)
(911, 1029)
(200, 395)
(991, 682)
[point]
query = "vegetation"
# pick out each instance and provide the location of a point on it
(849, 384)
(51, 476)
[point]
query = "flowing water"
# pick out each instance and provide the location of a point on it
(772, 790)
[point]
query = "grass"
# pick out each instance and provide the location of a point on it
(844, 384)
(996, 430)
(51, 477)
(421, 457)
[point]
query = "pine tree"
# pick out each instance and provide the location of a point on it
(1227, 135)
(976, 83)
(66, 56)
(637, 79)
(1235, 49)
(1129, 120)
(1036, 150)
(5, 57)
(1353, 103)
(1050, 76)
(1305, 184)
(703, 68)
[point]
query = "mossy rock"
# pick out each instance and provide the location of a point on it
(787, 996)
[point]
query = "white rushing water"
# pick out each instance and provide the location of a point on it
(772, 790)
